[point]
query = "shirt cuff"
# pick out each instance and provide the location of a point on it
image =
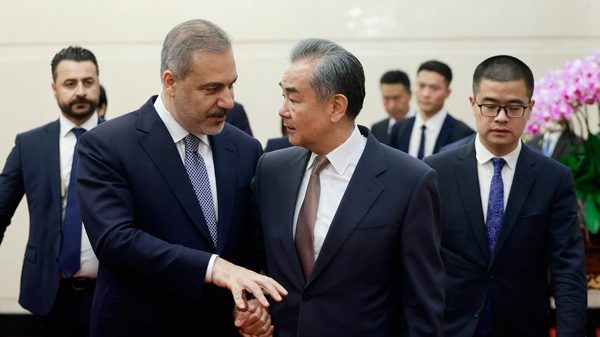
(208, 276)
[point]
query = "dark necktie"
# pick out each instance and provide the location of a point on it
(196, 169)
(307, 216)
(70, 250)
(495, 216)
(421, 152)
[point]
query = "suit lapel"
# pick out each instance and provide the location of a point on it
(288, 187)
(468, 184)
(445, 132)
(523, 180)
(51, 143)
(405, 133)
(224, 156)
(159, 146)
(362, 191)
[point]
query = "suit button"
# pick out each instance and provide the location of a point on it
(306, 297)
(477, 313)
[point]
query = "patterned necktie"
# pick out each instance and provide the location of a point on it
(495, 215)
(307, 216)
(196, 169)
(70, 250)
(495, 212)
(421, 152)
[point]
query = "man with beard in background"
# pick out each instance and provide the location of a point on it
(59, 267)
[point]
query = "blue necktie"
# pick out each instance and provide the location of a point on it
(495, 212)
(71, 243)
(196, 169)
(421, 152)
(495, 216)
(546, 147)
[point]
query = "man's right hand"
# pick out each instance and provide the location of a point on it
(239, 280)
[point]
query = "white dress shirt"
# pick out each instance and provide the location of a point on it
(67, 141)
(433, 125)
(485, 171)
(178, 133)
(334, 180)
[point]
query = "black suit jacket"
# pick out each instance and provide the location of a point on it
(540, 234)
(452, 130)
(378, 273)
(380, 131)
(148, 230)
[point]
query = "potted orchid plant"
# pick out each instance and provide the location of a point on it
(565, 98)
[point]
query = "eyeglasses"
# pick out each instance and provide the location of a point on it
(493, 110)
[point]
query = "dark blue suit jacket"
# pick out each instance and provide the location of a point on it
(540, 233)
(148, 230)
(33, 168)
(277, 143)
(379, 272)
(380, 131)
(452, 130)
(238, 118)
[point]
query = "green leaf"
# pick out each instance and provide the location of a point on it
(592, 214)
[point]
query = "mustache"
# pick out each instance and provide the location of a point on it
(81, 100)
(220, 113)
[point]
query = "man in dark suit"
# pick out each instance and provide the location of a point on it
(361, 257)
(238, 118)
(165, 196)
(395, 94)
(555, 144)
(279, 142)
(509, 220)
(39, 167)
(432, 127)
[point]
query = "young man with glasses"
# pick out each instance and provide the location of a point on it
(509, 219)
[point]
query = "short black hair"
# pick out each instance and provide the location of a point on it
(438, 67)
(396, 77)
(503, 68)
(73, 53)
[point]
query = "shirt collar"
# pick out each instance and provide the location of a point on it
(484, 156)
(341, 156)
(176, 131)
(433, 123)
(66, 125)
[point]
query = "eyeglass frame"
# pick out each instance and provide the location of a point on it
(503, 107)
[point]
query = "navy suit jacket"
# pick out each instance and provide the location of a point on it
(452, 130)
(540, 235)
(380, 131)
(238, 118)
(565, 141)
(379, 272)
(33, 169)
(277, 143)
(148, 230)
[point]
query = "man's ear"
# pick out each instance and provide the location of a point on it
(339, 105)
(169, 83)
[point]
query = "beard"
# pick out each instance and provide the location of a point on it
(209, 129)
(67, 108)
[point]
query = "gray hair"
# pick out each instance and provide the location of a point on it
(336, 71)
(187, 38)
